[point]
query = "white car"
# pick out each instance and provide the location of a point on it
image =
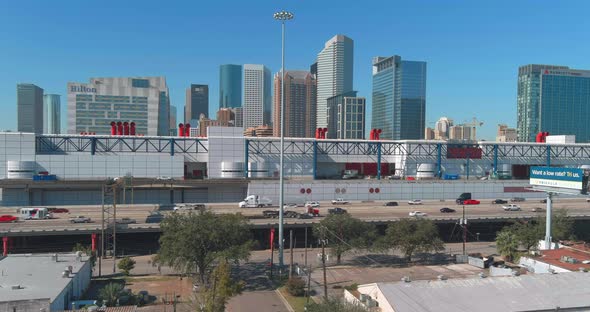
(415, 202)
(417, 214)
(511, 207)
(339, 201)
(289, 206)
(164, 178)
(312, 204)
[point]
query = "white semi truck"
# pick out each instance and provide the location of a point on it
(255, 201)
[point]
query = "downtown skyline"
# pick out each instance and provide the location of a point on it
(470, 49)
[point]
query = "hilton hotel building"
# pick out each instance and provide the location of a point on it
(144, 100)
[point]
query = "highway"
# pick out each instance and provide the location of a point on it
(368, 211)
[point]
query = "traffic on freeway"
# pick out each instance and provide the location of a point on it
(86, 217)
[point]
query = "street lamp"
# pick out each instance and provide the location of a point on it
(282, 16)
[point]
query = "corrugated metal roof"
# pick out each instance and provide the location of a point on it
(520, 293)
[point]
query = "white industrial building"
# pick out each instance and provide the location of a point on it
(543, 292)
(42, 282)
(225, 166)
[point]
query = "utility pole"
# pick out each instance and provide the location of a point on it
(306, 246)
(291, 247)
(115, 228)
(464, 225)
(308, 285)
(324, 263)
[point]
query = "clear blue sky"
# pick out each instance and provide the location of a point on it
(473, 48)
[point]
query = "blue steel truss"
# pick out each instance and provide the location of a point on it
(47, 144)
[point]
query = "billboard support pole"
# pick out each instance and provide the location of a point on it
(548, 221)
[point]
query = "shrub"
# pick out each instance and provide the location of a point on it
(125, 265)
(296, 287)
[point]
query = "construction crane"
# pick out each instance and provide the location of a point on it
(473, 124)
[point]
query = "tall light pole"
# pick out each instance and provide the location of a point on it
(282, 16)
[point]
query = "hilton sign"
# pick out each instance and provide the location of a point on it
(82, 89)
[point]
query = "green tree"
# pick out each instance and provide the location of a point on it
(110, 293)
(221, 288)
(411, 236)
(125, 265)
(507, 244)
(562, 226)
(344, 233)
(194, 241)
(528, 234)
(336, 305)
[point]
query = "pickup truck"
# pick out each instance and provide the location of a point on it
(80, 219)
(339, 201)
(511, 207)
(126, 221)
(336, 210)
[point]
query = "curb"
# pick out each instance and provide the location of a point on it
(285, 302)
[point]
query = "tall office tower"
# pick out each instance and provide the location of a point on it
(230, 85)
(143, 100)
(197, 103)
(299, 91)
(442, 128)
(29, 104)
(346, 116)
(257, 96)
(173, 124)
(311, 108)
(334, 73)
(554, 99)
(239, 115)
(462, 133)
(51, 114)
(429, 134)
(399, 98)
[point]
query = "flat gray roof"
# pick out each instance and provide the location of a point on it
(519, 293)
(39, 275)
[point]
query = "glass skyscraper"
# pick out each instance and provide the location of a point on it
(399, 98)
(197, 103)
(29, 102)
(230, 86)
(334, 74)
(554, 99)
(51, 114)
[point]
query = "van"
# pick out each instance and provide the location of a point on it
(34, 213)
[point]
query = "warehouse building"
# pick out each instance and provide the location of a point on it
(42, 282)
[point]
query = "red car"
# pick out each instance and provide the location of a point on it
(471, 202)
(58, 210)
(8, 218)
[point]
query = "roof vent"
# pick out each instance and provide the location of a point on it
(442, 278)
(15, 287)
(406, 279)
(552, 271)
(482, 275)
(54, 258)
(65, 274)
(515, 273)
(70, 268)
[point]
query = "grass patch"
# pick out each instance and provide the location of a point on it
(297, 303)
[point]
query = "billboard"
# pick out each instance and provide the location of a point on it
(554, 177)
